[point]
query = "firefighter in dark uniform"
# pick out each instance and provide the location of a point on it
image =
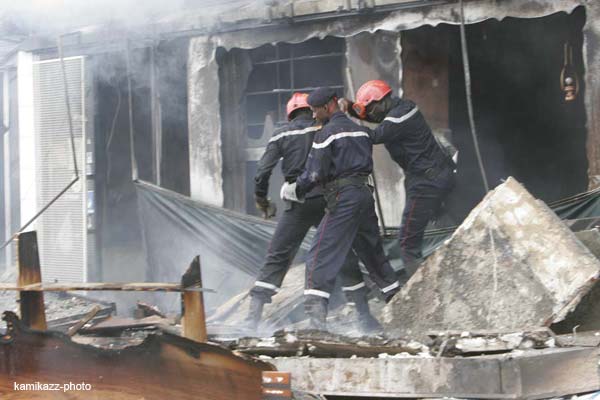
(428, 169)
(292, 143)
(340, 162)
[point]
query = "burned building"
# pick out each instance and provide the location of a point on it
(188, 103)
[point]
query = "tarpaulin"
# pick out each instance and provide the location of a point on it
(232, 246)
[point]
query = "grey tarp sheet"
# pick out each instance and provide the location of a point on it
(232, 246)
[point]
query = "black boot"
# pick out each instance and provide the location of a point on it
(367, 323)
(254, 313)
(315, 308)
(410, 266)
(390, 295)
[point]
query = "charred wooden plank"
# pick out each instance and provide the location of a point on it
(162, 367)
(321, 344)
(88, 317)
(193, 318)
(117, 324)
(147, 310)
(32, 307)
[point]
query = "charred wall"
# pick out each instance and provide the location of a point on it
(159, 115)
(427, 74)
(117, 221)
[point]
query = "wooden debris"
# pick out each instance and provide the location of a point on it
(193, 318)
(114, 325)
(95, 286)
(146, 310)
(321, 344)
(32, 307)
(63, 324)
(88, 317)
(164, 366)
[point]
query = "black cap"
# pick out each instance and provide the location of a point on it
(320, 96)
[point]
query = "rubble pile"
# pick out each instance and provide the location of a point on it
(512, 264)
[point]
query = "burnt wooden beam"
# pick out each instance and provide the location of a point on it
(33, 313)
(324, 344)
(87, 318)
(193, 318)
(101, 286)
(163, 366)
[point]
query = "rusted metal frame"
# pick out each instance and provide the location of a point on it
(276, 385)
(33, 313)
(193, 318)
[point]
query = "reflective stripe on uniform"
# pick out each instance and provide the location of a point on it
(337, 136)
(296, 132)
(353, 288)
(402, 118)
(391, 287)
(266, 285)
(315, 292)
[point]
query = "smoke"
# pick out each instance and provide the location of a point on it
(56, 16)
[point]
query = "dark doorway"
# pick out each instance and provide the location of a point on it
(525, 127)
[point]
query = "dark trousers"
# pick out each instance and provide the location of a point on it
(352, 224)
(424, 198)
(291, 228)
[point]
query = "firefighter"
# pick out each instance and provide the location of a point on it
(292, 144)
(340, 162)
(428, 168)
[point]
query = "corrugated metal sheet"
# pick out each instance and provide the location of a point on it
(62, 228)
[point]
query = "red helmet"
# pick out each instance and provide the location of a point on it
(370, 91)
(297, 101)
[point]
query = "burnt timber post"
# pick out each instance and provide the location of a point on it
(193, 319)
(33, 313)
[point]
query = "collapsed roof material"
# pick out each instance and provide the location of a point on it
(511, 264)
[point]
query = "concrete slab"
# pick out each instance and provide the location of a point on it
(533, 374)
(511, 264)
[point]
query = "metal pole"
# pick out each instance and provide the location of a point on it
(377, 199)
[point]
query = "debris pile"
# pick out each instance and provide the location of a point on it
(62, 309)
(511, 264)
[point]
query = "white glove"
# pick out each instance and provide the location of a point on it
(288, 192)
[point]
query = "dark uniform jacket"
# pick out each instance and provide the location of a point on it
(409, 139)
(292, 143)
(340, 149)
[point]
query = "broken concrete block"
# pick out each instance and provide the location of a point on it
(511, 264)
(586, 316)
